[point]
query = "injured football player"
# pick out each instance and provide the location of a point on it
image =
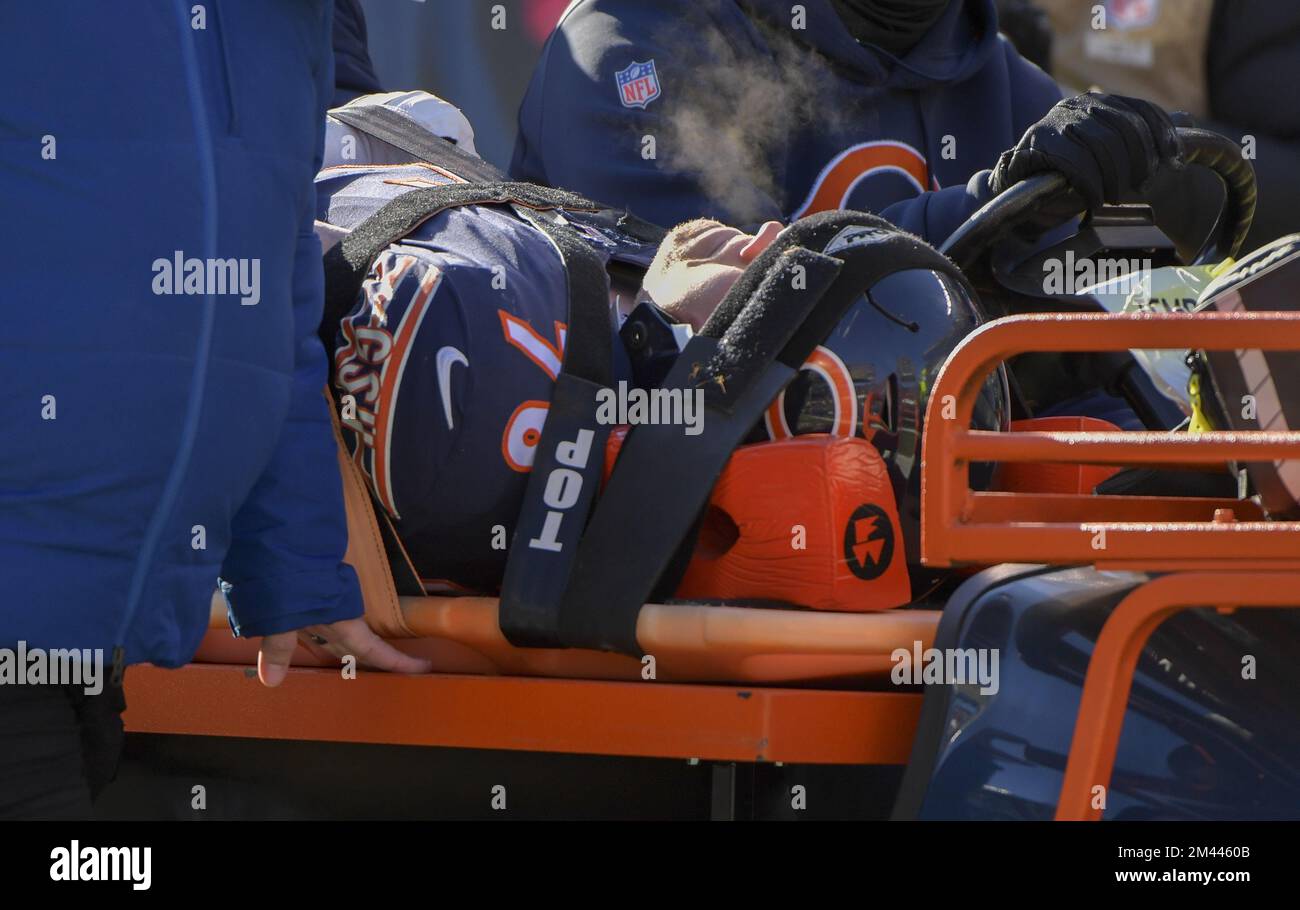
(446, 348)
(474, 324)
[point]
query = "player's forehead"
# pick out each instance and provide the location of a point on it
(680, 241)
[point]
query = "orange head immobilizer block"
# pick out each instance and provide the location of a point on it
(808, 521)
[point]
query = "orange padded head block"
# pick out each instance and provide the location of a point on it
(1028, 477)
(809, 521)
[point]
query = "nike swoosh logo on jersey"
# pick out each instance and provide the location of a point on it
(448, 357)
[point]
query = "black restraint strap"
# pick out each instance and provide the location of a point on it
(753, 346)
(348, 261)
(816, 232)
(570, 456)
(569, 460)
(402, 132)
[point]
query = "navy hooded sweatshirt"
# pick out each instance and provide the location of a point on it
(749, 110)
(354, 73)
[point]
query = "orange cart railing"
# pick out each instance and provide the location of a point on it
(1221, 560)
(1110, 672)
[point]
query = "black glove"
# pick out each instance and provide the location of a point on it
(1106, 146)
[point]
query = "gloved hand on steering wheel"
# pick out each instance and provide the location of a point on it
(1106, 146)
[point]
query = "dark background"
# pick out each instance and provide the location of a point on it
(449, 47)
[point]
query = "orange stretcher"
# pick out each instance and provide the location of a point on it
(744, 684)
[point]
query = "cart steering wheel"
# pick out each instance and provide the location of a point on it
(1028, 198)
(988, 234)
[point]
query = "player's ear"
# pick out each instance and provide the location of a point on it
(761, 240)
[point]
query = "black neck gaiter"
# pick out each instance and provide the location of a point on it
(894, 25)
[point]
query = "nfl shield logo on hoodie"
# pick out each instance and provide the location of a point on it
(638, 85)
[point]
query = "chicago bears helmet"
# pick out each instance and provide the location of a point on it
(871, 378)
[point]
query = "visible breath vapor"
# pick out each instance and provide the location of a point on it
(727, 122)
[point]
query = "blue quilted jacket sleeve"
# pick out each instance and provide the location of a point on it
(285, 562)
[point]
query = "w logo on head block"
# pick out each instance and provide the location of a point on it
(638, 85)
(868, 542)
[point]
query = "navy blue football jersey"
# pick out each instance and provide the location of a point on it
(449, 355)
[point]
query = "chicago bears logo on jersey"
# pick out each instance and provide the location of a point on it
(638, 84)
(838, 180)
(370, 363)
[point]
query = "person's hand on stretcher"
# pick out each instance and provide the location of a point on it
(349, 638)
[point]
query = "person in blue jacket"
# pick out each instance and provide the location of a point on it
(163, 405)
(751, 110)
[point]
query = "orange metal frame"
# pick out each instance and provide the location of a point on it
(1222, 552)
(661, 720)
(1218, 560)
(490, 695)
(959, 525)
(1110, 672)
